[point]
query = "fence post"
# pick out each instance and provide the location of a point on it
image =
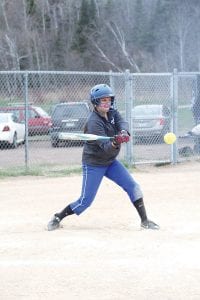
(26, 119)
(112, 85)
(128, 114)
(174, 126)
(111, 80)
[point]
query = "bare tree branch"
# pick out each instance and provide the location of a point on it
(5, 15)
(119, 37)
(105, 57)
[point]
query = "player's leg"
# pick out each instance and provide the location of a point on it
(120, 175)
(92, 177)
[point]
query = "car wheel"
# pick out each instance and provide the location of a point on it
(67, 143)
(197, 148)
(55, 143)
(14, 143)
(80, 144)
(166, 130)
(24, 140)
(158, 139)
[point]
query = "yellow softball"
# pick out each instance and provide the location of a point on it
(169, 138)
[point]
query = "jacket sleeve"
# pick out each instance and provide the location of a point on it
(121, 124)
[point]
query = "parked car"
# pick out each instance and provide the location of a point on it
(12, 131)
(150, 121)
(68, 117)
(39, 122)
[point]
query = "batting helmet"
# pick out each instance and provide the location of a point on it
(100, 91)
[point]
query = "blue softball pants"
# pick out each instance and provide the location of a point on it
(92, 177)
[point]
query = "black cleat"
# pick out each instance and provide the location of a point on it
(147, 224)
(54, 223)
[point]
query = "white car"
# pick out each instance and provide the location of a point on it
(12, 131)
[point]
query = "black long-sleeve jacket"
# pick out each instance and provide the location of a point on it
(102, 153)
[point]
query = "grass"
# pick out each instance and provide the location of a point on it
(48, 171)
(185, 119)
(40, 170)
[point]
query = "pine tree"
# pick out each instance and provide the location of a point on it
(139, 24)
(80, 38)
(161, 21)
(31, 6)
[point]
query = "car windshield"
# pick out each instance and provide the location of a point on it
(147, 110)
(71, 111)
(3, 118)
(41, 112)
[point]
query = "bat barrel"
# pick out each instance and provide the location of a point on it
(82, 136)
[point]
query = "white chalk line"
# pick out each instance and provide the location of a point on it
(27, 263)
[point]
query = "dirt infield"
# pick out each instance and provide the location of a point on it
(102, 254)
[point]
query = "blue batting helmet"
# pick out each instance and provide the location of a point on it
(100, 91)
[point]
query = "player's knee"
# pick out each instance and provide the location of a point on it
(137, 192)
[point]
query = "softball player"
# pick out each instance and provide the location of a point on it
(99, 159)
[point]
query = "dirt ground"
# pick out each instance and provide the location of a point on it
(102, 254)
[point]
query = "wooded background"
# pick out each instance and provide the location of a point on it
(100, 35)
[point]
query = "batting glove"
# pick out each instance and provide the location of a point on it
(123, 137)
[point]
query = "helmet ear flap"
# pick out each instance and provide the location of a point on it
(112, 101)
(96, 101)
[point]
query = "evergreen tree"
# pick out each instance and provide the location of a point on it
(80, 38)
(161, 21)
(58, 51)
(31, 6)
(108, 9)
(139, 24)
(92, 10)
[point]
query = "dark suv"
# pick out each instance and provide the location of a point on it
(68, 117)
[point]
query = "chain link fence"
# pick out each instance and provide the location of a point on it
(153, 104)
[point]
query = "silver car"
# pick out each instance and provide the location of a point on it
(150, 121)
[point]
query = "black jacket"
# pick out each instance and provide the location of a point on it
(102, 153)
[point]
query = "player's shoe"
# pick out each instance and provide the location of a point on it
(147, 224)
(54, 223)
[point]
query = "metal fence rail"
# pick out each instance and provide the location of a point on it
(26, 93)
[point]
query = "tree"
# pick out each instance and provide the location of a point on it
(139, 29)
(80, 38)
(30, 7)
(142, 35)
